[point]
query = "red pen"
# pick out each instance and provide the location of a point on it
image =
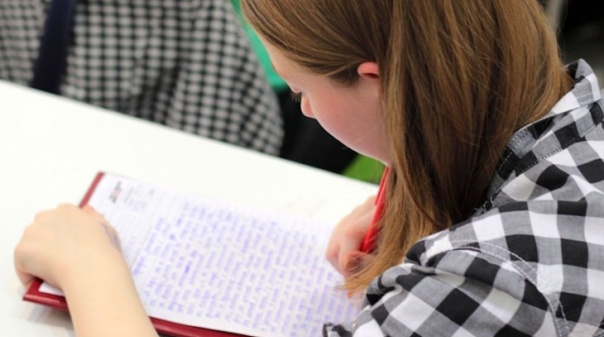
(368, 244)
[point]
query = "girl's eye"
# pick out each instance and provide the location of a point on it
(296, 96)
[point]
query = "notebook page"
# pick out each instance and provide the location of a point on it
(207, 263)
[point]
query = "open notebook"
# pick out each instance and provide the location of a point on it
(205, 267)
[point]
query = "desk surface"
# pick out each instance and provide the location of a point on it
(51, 148)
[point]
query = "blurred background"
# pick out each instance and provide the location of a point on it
(580, 27)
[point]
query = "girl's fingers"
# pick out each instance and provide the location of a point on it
(92, 212)
(109, 230)
(24, 277)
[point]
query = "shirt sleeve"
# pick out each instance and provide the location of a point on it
(460, 293)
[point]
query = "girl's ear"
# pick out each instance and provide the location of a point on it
(369, 70)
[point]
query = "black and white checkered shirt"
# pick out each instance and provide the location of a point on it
(531, 261)
(183, 63)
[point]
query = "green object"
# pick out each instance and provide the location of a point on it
(276, 82)
(365, 169)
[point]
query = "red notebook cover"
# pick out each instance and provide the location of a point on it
(33, 294)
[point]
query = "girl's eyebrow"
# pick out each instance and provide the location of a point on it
(278, 71)
(275, 69)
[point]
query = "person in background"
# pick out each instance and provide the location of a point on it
(184, 64)
(489, 221)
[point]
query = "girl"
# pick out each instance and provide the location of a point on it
(492, 219)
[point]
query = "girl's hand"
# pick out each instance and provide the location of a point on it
(63, 242)
(76, 250)
(343, 250)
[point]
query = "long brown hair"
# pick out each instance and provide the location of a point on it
(458, 78)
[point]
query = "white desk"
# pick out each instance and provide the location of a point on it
(51, 148)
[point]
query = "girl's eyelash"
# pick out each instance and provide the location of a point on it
(296, 96)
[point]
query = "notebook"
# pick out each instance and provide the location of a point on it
(208, 267)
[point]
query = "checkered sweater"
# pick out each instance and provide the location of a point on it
(183, 63)
(531, 261)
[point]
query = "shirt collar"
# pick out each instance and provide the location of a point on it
(585, 91)
(535, 140)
